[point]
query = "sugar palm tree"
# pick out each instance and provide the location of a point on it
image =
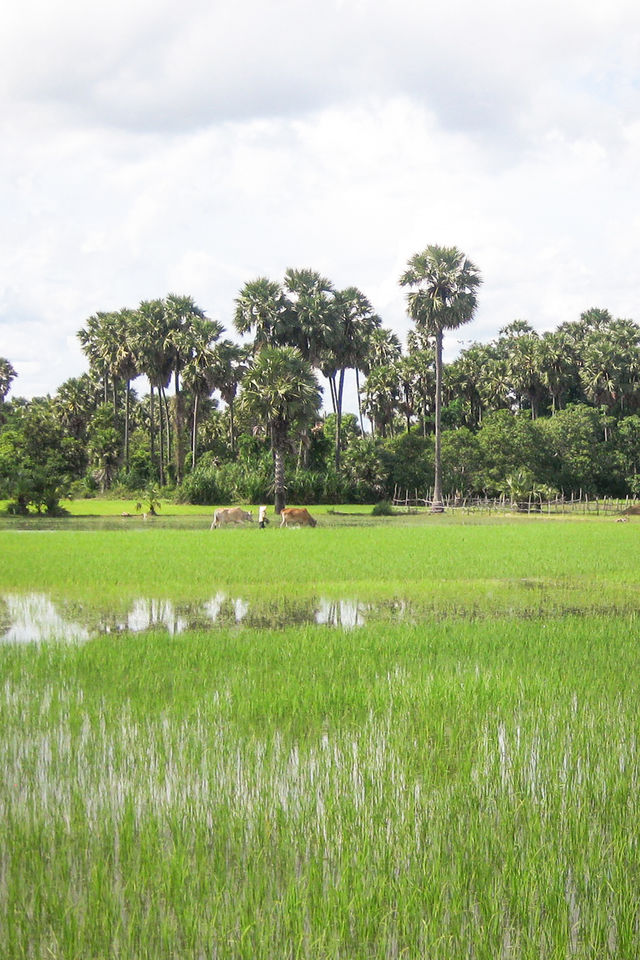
(381, 397)
(91, 339)
(524, 368)
(197, 372)
(310, 317)
(347, 348)
(281, 391)
(261, 310)
(383, 348)
(559, 366)
(75, 402)
(155, 359)
(182, 313)
(7, 376)
(227, 371)
(126, 365)
(443, 296)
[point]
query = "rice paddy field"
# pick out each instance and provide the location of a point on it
(451, 773)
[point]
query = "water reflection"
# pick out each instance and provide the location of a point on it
(341, 613)
(33, 618)
(153, 613)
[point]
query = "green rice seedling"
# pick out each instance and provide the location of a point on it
(532, 565)
(460, 782)
(452, 789)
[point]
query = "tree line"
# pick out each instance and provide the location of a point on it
(242, 420)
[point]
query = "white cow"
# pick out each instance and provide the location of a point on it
(230, 515)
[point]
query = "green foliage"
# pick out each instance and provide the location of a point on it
(365, 469)
(141, 471)
(508, 443)
(242, 481)
(104, 446)
(461, 462)
(409, 462)
(383, 508)
(35, 460)
(150, 499)
(579, 457)
(520, 487)
(511, 392)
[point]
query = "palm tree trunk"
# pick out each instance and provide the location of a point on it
(162, 455)
(278, 485)
(232, 427)
(359, 401)
(437, 505)
(126, 427)
(339, 417)
(332, 390)
(153, 433)
(194, 438)
(179, 454)
(167, 424)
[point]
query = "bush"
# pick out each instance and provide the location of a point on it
(228, 483)
(382, 509)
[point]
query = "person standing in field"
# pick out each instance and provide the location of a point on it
(262, 517)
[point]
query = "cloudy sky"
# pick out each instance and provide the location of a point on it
(150, 146)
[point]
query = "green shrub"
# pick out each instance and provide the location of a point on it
(382, 509)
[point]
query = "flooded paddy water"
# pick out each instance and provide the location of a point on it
(37, 617)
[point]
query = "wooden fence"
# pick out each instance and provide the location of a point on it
(581, 503)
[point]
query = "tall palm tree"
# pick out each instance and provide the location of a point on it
(182, 313)
(227, 371)
(310, 317)
(75, 402)
(261, 309)
(443, 296)
(559, 366)
(494, 386)
(524, 367)
(381, 393)
(347, 348)
(7, 376)
(383, 349)
(281, 391)
(109, 351)
(601, 373)
(91, 338)
(155, 359)
(126, 364)
(469, 371)
(625, 335)
(421, 362)
(197, 372)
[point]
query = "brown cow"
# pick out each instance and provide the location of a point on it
(299, 516)
(230, 515)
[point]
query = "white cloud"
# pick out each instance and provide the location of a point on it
(190, 147)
